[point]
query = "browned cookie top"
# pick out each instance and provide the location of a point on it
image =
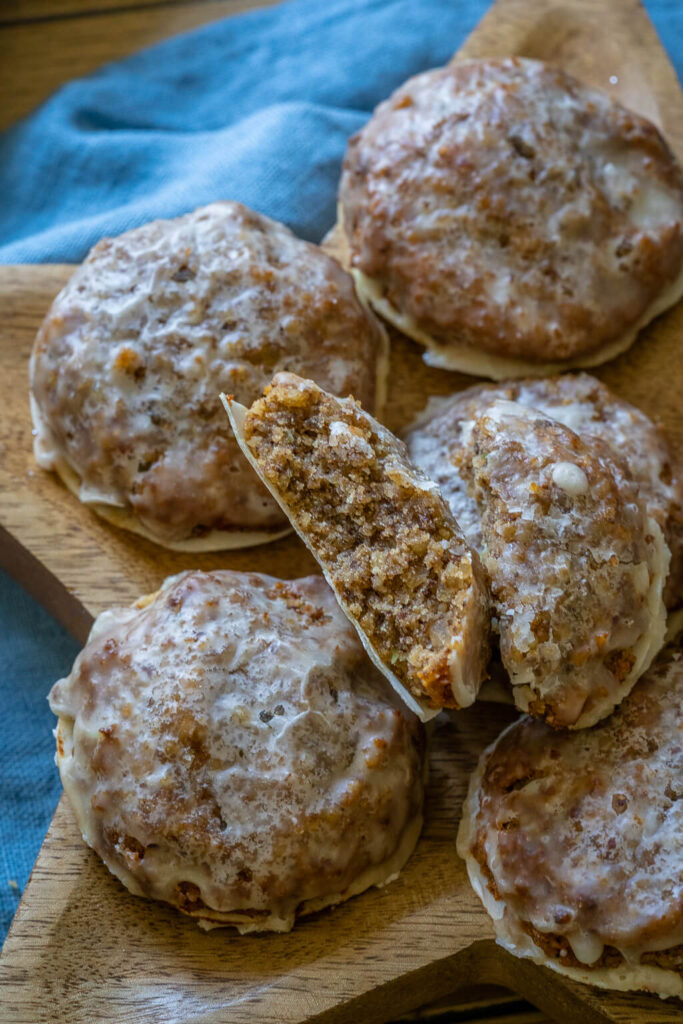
(439, 442)
(135, 350)
(576, 839)
(228, 747)
(575, 563)
(503, 205)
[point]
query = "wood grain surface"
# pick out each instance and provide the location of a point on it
(13, 11)
(81, 949)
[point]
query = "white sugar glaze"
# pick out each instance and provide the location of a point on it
(227, 747)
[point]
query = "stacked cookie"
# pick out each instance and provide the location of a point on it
(232, 744)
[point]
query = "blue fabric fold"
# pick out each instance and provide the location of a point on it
(35, 651)
(258, 108)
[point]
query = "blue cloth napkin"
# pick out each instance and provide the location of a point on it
(256, 108)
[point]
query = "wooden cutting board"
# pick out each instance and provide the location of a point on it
(81, 949)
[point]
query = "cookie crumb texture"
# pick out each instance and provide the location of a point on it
(575, 841)
(383, 534)
(228, 747)
(130, 360)
(573, 566)
(503, 206)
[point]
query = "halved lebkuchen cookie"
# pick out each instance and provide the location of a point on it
(576, 565)
(382, 533)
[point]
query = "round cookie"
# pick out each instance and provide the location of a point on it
(574, 842)
(438, 442)
(227, 747)
(575, 563)
(129, 362)
(512, 220)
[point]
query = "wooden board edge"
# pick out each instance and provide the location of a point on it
(564, 1001)
(44, 587)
